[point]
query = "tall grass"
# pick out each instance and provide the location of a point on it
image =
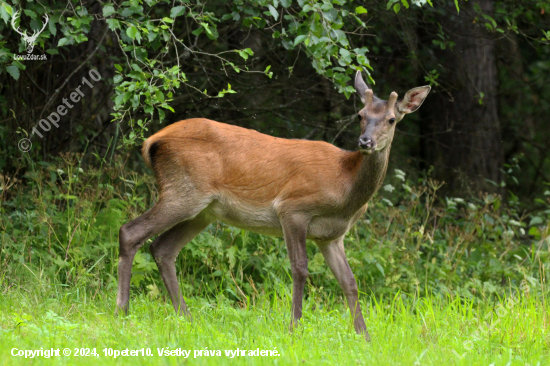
(406, 329)
(64, 217)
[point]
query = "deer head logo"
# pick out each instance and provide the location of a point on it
(29, 40)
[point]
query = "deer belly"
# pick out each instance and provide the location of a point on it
(258, 219)
(327, 228)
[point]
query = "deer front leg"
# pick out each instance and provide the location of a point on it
(335, 256)
(295, 232)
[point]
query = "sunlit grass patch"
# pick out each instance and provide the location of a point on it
(405, 329)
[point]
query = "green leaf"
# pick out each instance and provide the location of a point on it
(534, 231)
(331, 15)
(108, 10)
(346, 55)
(380, 268)
(118, 67)
(245, 53)
(273, 11)
(30, 13)
(166, 106)
(266, 71)
(52, 27)
(162, 115)
(132, 32)
(177, 11)
(148, 109)
(127, 12)
(206, 28)
(159, 95)
(8, 9)
(122, 98)
(536, 221)
(286, 3)
(13, 71)
(52, 51)
(197, 31)
(358, 20)
(223, 92)
(299, 39)
(63, 41)
(360, 10)
(438, 42)
(6, 12)
(113, 24)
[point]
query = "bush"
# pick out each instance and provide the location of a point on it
(63, 218)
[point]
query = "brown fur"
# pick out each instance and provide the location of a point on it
(242, 162)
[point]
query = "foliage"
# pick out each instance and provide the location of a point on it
(66, 215)
(251, 63)
(152, 35)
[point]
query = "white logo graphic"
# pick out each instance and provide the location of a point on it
(30, 41)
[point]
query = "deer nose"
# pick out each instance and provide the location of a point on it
(365, 143)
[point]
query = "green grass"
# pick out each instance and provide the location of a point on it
(405, 330)
(435, 272)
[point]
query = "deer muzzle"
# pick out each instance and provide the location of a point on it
(367, 144)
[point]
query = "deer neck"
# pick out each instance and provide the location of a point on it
(367, 174)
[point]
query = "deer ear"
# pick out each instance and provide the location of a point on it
(361, 87)
(413, 99)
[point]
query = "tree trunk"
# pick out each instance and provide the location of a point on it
(465, 145)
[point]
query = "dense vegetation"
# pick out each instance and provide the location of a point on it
(283, 67)
(66, 219)
(460, 226)
(442, 280)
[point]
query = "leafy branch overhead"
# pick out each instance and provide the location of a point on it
(160, 41)
(315, 26)
(157, 36)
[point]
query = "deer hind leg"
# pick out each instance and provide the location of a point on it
(335, 256)
(164, 215)
(165, 249)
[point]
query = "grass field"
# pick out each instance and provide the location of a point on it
(405, 330)
(446, 281)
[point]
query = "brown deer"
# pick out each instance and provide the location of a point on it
(297, 189)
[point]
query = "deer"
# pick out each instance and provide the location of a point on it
(290, 188)
(28, 40)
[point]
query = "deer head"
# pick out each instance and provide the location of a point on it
(29, 40)
(379, 117)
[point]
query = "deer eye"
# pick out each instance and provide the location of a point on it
(359, 116)
(392, 120)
